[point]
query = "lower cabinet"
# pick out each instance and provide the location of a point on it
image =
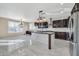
(61, 35)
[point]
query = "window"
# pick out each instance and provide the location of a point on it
(14, 27)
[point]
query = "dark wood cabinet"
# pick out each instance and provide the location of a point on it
(75, 8)
(61, 35)
(60, 23)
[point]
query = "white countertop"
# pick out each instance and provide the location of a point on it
(52, 29)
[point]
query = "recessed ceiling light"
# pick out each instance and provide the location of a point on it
(61, 3)
(61, 12)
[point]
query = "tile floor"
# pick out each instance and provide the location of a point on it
(35, 45)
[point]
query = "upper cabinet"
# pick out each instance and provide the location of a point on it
(75, 8)
(60, 23)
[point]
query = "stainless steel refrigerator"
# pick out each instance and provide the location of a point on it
(74, 31)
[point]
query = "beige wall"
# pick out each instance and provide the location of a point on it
(4, 28)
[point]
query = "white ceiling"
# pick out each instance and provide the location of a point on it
(29, 11)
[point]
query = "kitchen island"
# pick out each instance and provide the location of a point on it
(49, 33)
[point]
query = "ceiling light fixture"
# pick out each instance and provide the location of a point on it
(21, 24)
(61, 3)
(41, 17)
(61, 12)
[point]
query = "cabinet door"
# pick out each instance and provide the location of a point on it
(61, 35)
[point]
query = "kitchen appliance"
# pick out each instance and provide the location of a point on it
(74, 31)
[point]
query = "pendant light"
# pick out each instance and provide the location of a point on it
(21, 24)
(41, 17)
